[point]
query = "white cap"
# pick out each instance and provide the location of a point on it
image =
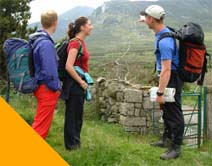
(155, 11)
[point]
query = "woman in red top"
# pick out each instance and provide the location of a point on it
(74, 86)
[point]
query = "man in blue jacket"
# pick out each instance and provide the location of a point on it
(167, 58)
(45, 68)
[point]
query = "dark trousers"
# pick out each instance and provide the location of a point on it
(73, 120)
(172, 113)
(74, 97)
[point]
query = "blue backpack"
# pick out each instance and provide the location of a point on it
(20, 64)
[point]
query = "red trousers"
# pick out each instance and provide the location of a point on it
(46, 102)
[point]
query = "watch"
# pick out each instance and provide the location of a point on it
(159, 93)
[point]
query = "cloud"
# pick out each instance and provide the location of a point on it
(60, 6)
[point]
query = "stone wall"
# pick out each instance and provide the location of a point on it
(130, 106)
(209, 112)
(121, 102)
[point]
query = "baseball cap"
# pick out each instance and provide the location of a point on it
(155, 11)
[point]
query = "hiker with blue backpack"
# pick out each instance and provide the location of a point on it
(76, 81)
(33, 68)
(45, 68)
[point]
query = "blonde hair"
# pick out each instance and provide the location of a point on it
(48, 18)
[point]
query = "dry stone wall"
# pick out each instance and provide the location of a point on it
(129, 105)
(126, 104)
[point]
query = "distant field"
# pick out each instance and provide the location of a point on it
(137, 61)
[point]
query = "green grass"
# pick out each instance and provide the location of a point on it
(106, 144)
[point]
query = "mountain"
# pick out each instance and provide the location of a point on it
(66, 18)
(116, 26)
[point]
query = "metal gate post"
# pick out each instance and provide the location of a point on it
(199, 120)
(205, 92)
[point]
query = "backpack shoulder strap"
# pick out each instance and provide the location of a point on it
(80, 52)
(168, 34)
(36, 37)
(173, 33)
(34, 43)
(200, 81)
(209, 58)
(164, 35)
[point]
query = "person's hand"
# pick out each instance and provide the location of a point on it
(160, 99)
(84, 85)
(142, 19)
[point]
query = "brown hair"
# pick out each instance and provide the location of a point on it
(74, 28)
(48, 18)
(161, 19)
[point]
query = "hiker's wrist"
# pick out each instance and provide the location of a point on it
(160, 93)
(82, 83)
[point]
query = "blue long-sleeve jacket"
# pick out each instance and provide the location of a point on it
(45, 61)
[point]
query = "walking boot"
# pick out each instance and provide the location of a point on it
(174, 151)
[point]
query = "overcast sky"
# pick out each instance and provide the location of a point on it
(60, 6)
